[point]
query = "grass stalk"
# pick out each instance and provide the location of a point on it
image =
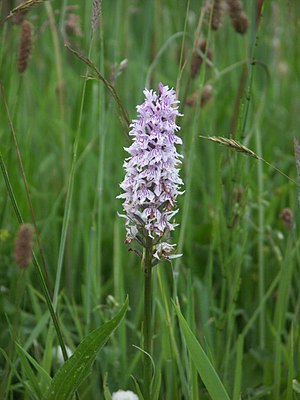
(102, 129)
(238, 368)
(261, 234)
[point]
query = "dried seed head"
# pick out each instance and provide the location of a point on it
(238, 17)
(286, 215)
(191, 100)
(73, 25)
(217, 14)
(23, 246)
(19, 16)
(95, 14)
(241, 24)
(297, 157)
(25, 46)
(198, 57)
(206, 95)
(233, 145)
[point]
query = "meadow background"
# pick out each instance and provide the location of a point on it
(238, 280)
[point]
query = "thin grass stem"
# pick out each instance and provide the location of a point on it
(261, 229)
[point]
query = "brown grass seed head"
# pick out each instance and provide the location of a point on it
(237, 15)
(95, 14)
(217, 14)
(286, 216)
(24, 245)
(25, 46)
(19, 16)
(198, 57)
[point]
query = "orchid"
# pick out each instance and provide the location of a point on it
(152, 182)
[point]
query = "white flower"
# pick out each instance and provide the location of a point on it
(58, 355)
(124, 395)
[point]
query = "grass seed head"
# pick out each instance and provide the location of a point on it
(73, 25)
(237, 15)
(286, 216)
(217, 14)
(24, 245)
(297, 157)
(198, 57)
(19, 16)
(95, 14)
(233, 145)
(191, 100)
(206, 95)
(25, 46)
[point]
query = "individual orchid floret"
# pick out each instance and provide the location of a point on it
(152, 183)
(163, 250)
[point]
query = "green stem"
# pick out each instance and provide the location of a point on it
(261, 235)
(147, 318)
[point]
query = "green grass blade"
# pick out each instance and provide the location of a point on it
(157, 387)
(137, 387)
(75, 370)
(291, 368)
(33, 380)
(204, 367)
(238, 368)
(106, 392)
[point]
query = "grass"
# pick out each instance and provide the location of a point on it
(237, 283)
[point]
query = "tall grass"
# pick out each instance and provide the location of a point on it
(237, 283)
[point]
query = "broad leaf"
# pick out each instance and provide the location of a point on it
(73, 372)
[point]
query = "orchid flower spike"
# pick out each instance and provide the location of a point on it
(152, 182)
